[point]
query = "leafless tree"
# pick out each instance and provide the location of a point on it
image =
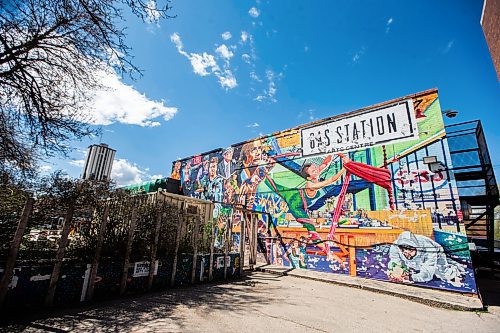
(51, 55)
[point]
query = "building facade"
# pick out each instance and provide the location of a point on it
(369, 193)
(99, 162)
(490, 22)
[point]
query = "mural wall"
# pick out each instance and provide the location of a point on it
(368, 194)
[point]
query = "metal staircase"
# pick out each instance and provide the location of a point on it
(476, 184)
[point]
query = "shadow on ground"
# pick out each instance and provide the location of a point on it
(140, 311)
(488, 283)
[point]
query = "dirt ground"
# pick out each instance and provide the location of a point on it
(262, 303)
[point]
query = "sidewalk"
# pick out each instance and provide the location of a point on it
(433, 297)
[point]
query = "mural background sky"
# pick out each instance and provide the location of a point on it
(226, 71)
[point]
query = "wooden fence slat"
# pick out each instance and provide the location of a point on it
(128, 249)
(97, 254)
(211, 259)
(242, 243)
(177, 241)
(206, 221)
(226, 244)
(196, 232)
(14, 248)
(63, 241)
(254, 241)
(154, 248)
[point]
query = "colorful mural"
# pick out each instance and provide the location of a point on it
(350, 194)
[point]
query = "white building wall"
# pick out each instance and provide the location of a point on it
(99, 162)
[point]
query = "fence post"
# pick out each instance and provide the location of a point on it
(352, 256)
(211, 259)
(195, 247)
(226, 244)
(97, 253)
(154, 248)
(242, 243)
(250, 242)
(63, 241)
(177, 242)
(128, 249)
(14, 248)
(254, 231)
(206, 220)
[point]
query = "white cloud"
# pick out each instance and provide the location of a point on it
(254, 12)
(205, 64)
(269, 93)
(449, 46)
(244, 37)
(226, 35)
(254, 76)
(246, 58)
(224, 52)
(306, 48)
(126, 173)
(77, 163)
(253, 125)
(152, 13)
(358, 54)
(227, 79)
(311, 114)
(201, 62)
(388, 25)
(45, 168)
(121, 103)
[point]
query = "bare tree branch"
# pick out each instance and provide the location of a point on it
(51, 55)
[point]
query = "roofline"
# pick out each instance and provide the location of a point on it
(319, 121)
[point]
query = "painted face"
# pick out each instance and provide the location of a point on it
(228, 156)
(313, 171)
(177, 166)
(409, 252)
(212, 170)
(255, 153)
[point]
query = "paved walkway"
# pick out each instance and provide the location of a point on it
(264, 303)
(423, 295)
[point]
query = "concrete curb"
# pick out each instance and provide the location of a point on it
(431, 297)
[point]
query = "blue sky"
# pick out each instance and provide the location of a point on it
(223, 72)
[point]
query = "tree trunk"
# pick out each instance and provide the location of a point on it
(14, 249)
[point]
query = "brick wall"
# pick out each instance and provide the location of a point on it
(490, 21)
